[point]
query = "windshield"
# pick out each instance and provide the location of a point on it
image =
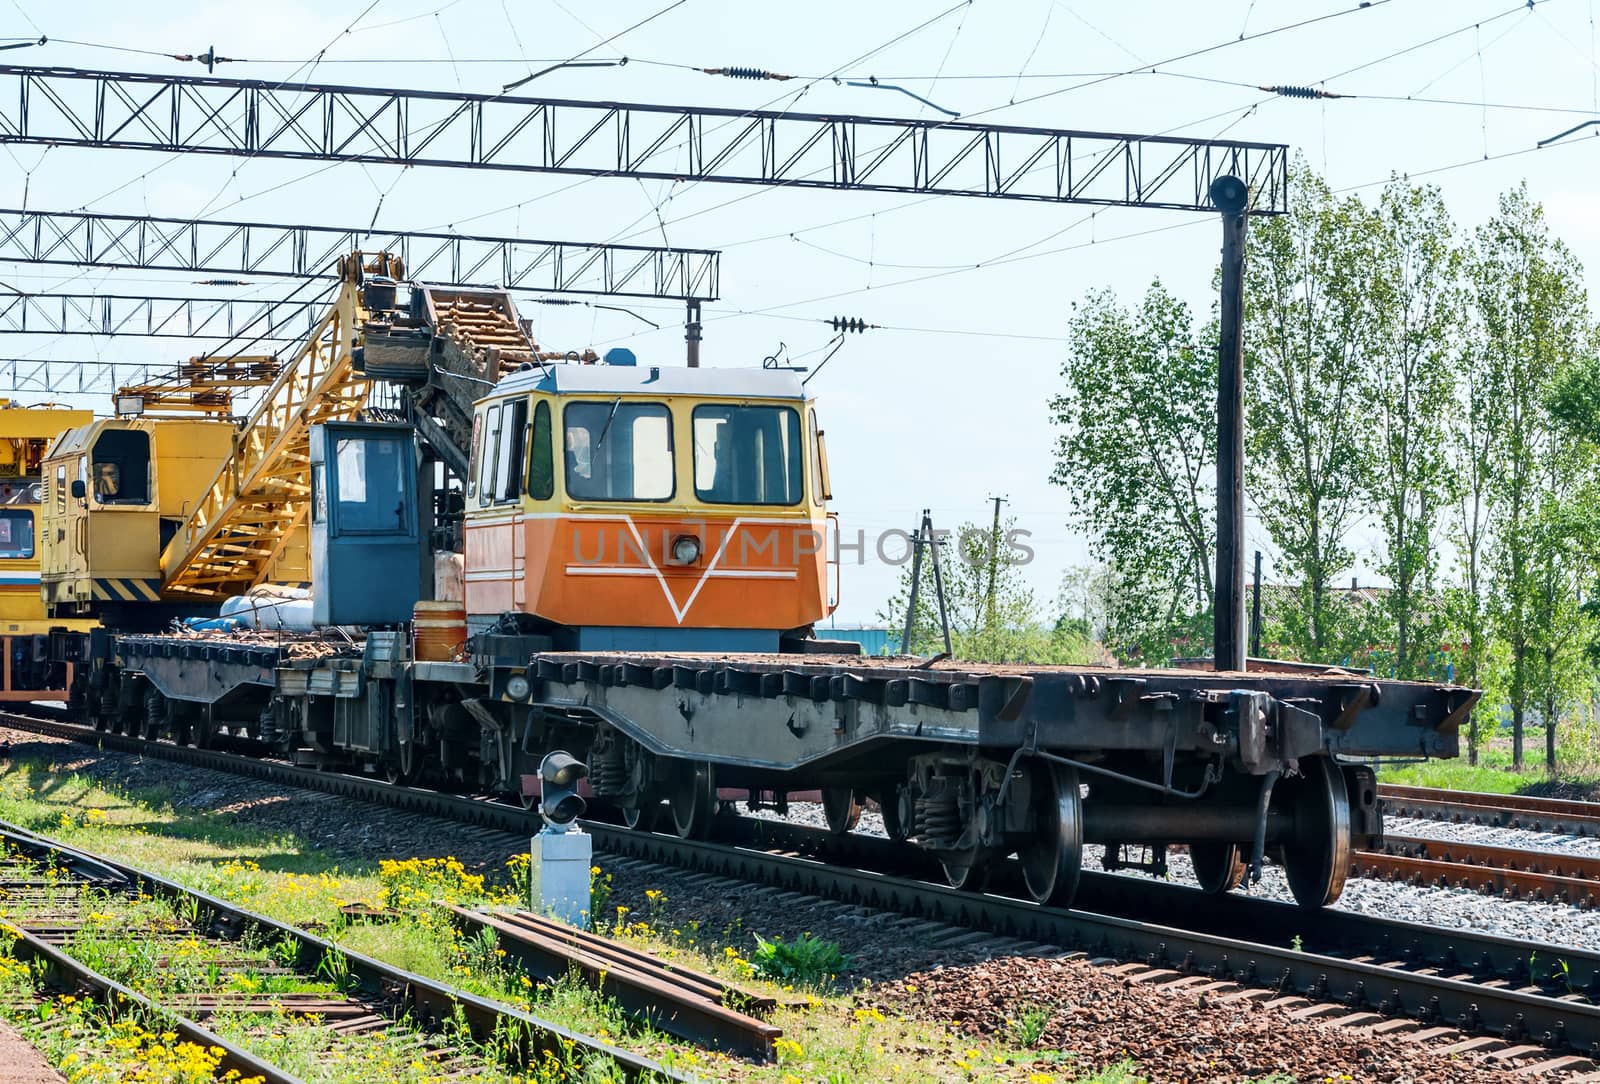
(747, 455)
(618, 451)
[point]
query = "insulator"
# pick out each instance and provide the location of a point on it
(848, 324)
(746, 73)
(1301, 92)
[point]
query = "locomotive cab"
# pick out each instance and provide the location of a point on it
(632, 508)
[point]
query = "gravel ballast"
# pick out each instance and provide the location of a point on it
(1097, 1013)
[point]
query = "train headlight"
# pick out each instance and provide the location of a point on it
(685, 550)
(517, 687)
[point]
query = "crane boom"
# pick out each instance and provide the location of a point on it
(257, 504)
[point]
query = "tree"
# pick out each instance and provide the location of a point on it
(1406, 388)
(1004, 626)
(1137, 456)
(1531, 322)
(1308, 326)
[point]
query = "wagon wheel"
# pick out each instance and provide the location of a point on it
(894, 823)
(401, 769)
(642, 816)
(1219, 867)
(1317, 859)
(692, 794)
(969, 873)
(842, 807)
(1052, 856)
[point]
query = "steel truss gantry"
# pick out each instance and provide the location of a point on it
(207, 247)
(70, 107)
(220, 318)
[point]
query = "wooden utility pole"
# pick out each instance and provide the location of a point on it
(1232, 198)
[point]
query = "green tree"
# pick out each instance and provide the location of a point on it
(1137, 456)
(1003, 627)
(1531, 322)
(1406, 388)
(1308, 327)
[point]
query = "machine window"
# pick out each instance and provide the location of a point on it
(16, 533)
(618, 451)
(747, 455)
(477, 454)
(491, 455)
(371, 486)
(541, 462)
(513, 442)
(61, 488)
(120, 470)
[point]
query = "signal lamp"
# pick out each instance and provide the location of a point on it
(559, 801)
(517, 687)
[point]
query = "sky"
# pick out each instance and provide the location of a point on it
(945, 405)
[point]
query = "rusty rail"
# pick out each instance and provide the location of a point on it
(1544, 876)
(375, 995)
(678, 1000)
(1493, 810)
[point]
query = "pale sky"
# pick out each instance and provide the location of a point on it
(947, 405)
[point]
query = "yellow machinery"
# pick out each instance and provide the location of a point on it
(158, 516)
(25, 672)
(116, 491)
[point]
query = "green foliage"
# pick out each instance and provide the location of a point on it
(1005, 628)
(1309, 328)
(805, 961)
(1137, 457)
(1029, 1026)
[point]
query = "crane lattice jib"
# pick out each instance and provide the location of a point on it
(261, 496)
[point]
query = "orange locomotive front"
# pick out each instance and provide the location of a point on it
(632, 508)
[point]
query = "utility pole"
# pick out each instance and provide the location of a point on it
(691, 332)
(994, 564)
(1232, 198)
(1255, 613)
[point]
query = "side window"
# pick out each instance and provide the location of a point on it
(513, 443)
(16, 533)
(61, 487)
(477, 454)
(541, 460)
(819, 455)
(491, 455)
(120, 473)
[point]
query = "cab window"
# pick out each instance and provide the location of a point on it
(618, 451)
(120, 467)
(541, 461)
(16, 532)
(514, 434)
(747, 455)
(490, 459)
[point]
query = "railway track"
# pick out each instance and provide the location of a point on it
(1541, 876)
(1528, 1005)
(1493, 810)
(211, 958)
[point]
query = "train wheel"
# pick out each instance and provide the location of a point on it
(642, 817)
(692, 795)
(1052, 859)
(1219, 867)
(967, 875)
(842, 808)
(894, 825)
(401, 768)
(1317, 860)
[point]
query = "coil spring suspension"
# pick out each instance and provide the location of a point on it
(938, 820)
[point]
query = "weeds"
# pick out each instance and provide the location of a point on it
(805, 961)
(1029, 1027)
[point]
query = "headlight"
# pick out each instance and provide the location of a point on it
(517, 687)
(685, 549)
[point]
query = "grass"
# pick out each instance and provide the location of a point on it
(828, 1035)
(1493, 774)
